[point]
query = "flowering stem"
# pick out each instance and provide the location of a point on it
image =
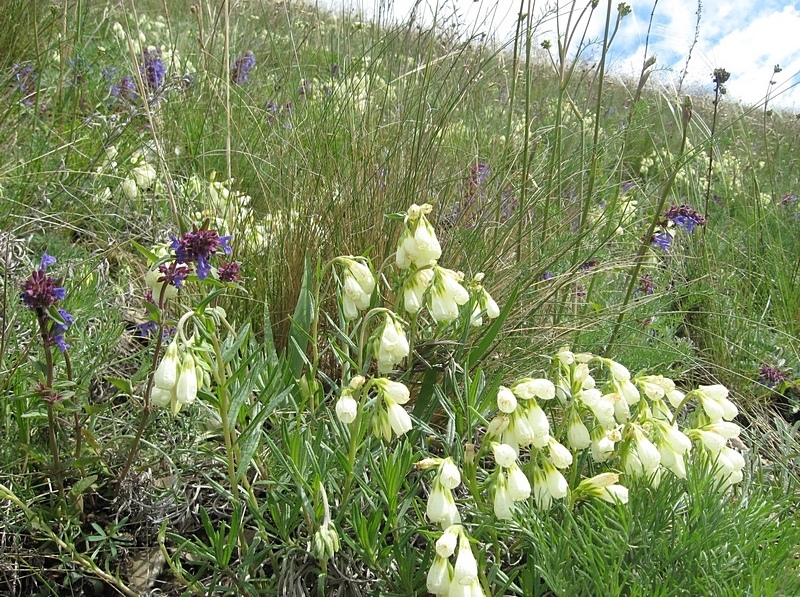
(356, 434)
(219, 377)
(148, 390)
(50, 398)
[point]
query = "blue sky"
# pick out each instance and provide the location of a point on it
(746, 37)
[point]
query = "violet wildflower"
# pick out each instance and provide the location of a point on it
(240, 73)
(152, 69)
(25, 78)
(771, 376)
(60, 327)
(662, 240)
(197, 246)
(125, 89)
(788, 198)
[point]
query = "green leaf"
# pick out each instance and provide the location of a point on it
(151, 257)
(301, 322)
(122, 384)
(241, 336)
(82, 485)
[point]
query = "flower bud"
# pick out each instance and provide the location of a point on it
(186, 389)
(346, 408)
(166, 376)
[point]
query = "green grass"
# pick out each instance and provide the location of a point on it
(543, 174)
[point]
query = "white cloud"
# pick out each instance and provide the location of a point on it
(746, 37)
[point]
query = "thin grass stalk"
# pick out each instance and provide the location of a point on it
(644, 247)
(523, 192)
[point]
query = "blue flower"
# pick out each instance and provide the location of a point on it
(59, 328)
(663, 240)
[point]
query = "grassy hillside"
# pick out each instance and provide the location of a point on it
(228, 381)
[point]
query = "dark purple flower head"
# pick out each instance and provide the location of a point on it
(588, 265)
(240, 73)
(41, 291)
(197, 246)
(152, 69)
(771, 376)
(547, 275)
(229, 272)
(788, 199)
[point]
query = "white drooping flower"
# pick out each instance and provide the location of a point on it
(578, 436)
(715, 403)
(391, 346)
(519, 488)
(602, 445)
(166, 376)
(560, 456)
(503, 504)
(130, 189)
(647, 452)
(414, 289)
(556, 483)
(186, 388)
(605, 487)
(449, 475)
(439, 576)
(484, 303)
(395, 390)
(447, 543)
(465, 571)
(346, 407)
(446, 294)
(358, 286)
(441, 508)
(528, 389)
(399, 419)
(504, 455)
(506, 401)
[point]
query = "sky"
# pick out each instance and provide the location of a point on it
(745, 37)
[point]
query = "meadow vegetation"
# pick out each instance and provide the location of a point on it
(295, 303)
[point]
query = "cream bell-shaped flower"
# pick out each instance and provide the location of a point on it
(391, 346)
(541, 494)
(560, 456)
(166, 376)
(556, 483)
(395, 390)
(129, 188)
(414, 289)
(186, 388)
(346, 407)
(399, 419)
(503, 504)
(519, 488)
(439, 576)
(440, 503)
(465, 571)
(528, 389)
(605, 487)
(446, 295)
(578, 436)
(449, 475)
(602, 445)
(506, 401)
(160, 396)
(504, 455)
(715, 402)
(447, 543)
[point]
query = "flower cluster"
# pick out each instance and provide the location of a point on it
(389, 416)
(358, 285)
(40, 293)
(197, 246)
(177, 378)
(240, 72)
(424, 280)
(174, 262)
(142, 176)
(461, 578)
(25, 81)
(684, 217)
